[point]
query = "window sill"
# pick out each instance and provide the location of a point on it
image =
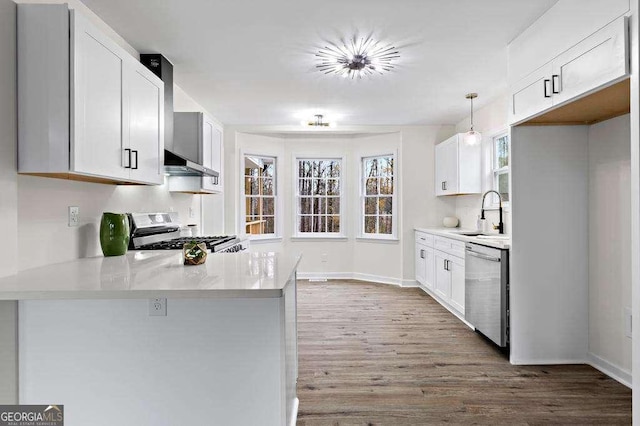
(264, 240)
(390, 240)
(319, 238)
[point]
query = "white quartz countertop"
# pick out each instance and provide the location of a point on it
(148, 274)
(455, 233)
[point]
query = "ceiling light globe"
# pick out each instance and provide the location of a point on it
(472, 138)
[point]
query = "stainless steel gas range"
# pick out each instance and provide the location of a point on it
(162, 231)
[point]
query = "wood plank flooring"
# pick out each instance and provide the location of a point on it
(373, 354)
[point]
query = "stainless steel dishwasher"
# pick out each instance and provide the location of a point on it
(487, 292)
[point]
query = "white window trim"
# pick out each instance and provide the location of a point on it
(278, 199)
(492, 202)
(394, 203)
(295, 234)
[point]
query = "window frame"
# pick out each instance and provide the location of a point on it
(277, 206)
(495, 171)
(394, 199)
(295, 232)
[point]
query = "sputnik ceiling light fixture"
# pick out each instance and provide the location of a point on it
(357, 57)
(472, 137)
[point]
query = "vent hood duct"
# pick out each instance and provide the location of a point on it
(176, 165)
(176, 162)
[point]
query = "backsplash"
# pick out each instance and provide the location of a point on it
(46, 238)
(468, 209)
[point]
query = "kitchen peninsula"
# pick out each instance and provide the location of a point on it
(224, 353)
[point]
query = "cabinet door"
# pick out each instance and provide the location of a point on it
(97, 110)
(599, 59)
(531, 95)
(443, 276)
(456, 267)
(429, 268)
(146, 126)
(446, 159)
(420, 260)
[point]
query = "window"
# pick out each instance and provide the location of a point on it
(501, 166)
(318, 197)
(260, 195)
(378, 196)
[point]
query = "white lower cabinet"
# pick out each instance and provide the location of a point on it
(440, 270)
(456, 270)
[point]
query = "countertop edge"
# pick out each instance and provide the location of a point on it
(506, 245)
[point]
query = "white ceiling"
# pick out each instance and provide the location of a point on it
(252, 62)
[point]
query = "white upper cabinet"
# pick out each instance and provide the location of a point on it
(197, 137)
(146, 128)
(532, 94)
(549, 66)
(457, 167)
(103, 116)
(596, 61)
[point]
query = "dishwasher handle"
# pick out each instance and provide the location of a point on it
(470, 252)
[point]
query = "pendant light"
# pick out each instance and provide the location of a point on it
(472, 137)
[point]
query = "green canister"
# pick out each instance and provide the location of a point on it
(114, 234)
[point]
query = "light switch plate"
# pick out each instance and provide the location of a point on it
(74, 215)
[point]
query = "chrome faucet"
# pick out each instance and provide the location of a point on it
(500, 226)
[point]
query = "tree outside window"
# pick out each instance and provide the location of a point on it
(501, 166)
(318, 194)
(260, 195)
(378, 196)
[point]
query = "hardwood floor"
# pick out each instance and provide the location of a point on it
(380, 355)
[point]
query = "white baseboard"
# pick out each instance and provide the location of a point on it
(549, 361)
(621, 375)
(294, 412)
(322, 276)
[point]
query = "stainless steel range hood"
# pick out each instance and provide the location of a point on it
(175, 165)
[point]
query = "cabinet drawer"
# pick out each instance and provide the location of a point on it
(450, 246)
(424, 239)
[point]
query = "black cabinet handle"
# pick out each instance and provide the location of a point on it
(422, 254)
(128, 151)
(555, 78)
(444, 185)
(546, 87)
(136, 167)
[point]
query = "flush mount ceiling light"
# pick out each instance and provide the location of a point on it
(357, 57)
(472, 137)
(318, 121)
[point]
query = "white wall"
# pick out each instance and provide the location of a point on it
(389, 261)
(610, 241)
(549, 257)
(489, 121)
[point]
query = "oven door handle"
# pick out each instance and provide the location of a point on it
(482, 256)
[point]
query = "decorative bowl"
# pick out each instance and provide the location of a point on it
(450, 222)
(194, 253)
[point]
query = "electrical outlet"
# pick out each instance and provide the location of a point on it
(324, 258)
(628, 323)
(158, 307)
(74, 215)
(192, 213)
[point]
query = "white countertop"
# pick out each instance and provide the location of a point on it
(148, 274)
(454, 233)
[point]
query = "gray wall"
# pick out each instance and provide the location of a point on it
(8, 198)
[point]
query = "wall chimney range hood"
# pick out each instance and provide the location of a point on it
(179, 155)
(175, 165)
